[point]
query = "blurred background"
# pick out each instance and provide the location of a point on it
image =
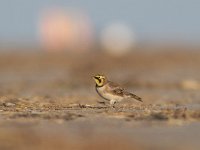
(57, 45)
(80, 25)
(49, 49)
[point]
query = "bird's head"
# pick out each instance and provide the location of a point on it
(100, 80)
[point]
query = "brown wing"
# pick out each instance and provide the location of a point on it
(114, 85)
(115, 88)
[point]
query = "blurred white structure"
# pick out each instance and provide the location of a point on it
(117, 39)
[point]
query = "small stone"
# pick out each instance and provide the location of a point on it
(190, 85)
(8, 104)
(87, 105)
(35, 112)
(73, 105)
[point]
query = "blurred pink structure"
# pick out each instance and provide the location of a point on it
(65, 30)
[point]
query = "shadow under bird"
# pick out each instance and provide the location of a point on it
(111, 91)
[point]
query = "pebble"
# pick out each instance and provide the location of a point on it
(190, 84)
(74, 105)
(9, 104)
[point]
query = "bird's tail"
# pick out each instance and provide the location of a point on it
(130, 95)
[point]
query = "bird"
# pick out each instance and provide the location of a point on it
(112, 92)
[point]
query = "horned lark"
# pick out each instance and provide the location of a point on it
(110, 91)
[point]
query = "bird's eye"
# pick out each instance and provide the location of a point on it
(96, 77)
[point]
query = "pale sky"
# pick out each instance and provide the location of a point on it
(150, 19)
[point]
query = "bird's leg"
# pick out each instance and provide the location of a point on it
(103, 103)
(112, 103)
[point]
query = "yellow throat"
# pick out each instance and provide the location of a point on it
(100, 80)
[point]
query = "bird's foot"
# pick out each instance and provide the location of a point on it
(112, 104)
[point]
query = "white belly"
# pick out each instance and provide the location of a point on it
(108, 96)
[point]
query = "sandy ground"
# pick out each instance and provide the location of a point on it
(48, 101)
